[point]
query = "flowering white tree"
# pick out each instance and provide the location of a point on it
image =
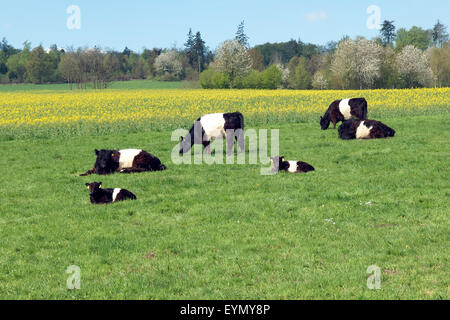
(343, 66)
(168, 64)
(319, 81)
(357, 62)
(413, 67)
(368, 62)
(233, 59)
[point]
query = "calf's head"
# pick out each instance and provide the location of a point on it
(277, 163)
(93, 186)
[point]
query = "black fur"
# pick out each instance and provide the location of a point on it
(358, 109)
(107, 161)
(347, 130)
(103, 196)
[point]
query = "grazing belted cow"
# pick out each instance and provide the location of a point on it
(279, 163)
(101, 196)
(125, 161)
(341, 110)
(213, 126)
(364, 129)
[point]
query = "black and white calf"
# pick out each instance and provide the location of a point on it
(341, 110)
(101, 196)
(213, 126)
(125, 161)
(364, 129)
(279, 163)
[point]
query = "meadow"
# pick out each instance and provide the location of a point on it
(223, 231)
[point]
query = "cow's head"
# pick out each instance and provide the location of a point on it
(185, 144)
(105, 162)
(277, 163)
(324, 123)
(93, 186)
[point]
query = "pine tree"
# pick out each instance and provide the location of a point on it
(199, 50)
(189, 45)
(126, 52)
(241, 36)
(387, 32)
(440, 35)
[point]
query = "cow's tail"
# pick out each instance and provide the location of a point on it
(241, 121)
(364, 109)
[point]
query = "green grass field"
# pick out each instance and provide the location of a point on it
(225, 231)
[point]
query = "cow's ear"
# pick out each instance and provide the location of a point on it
(86, 184)
(100, 184)
(181, 139)
(282, 158)
(96, 152)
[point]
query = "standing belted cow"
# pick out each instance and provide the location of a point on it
(341, 110)
(213, 126)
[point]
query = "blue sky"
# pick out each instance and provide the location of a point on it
(165, 23)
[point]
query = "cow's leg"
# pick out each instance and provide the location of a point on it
(207, 146)
(230, 144)
(132, 170)
(333, 120)
(87, 173)
(240, 138)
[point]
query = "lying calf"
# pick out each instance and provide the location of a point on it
(279, 163)
(100, 196)
(364, 129)
(125, 161)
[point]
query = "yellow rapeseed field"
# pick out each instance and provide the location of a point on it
(55, 108)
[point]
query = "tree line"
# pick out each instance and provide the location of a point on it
(396, 59)
(96, 68)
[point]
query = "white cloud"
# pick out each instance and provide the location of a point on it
(316, 16)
